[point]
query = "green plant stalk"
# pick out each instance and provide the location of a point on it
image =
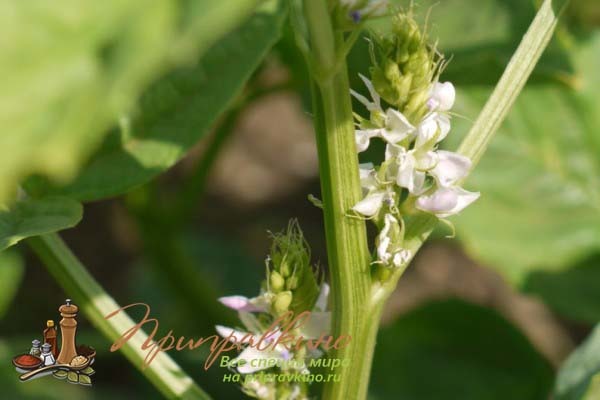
(348, 254)
(95, 303)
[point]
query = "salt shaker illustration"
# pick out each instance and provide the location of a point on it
(47, 357)
(68, 327)
(35, 348)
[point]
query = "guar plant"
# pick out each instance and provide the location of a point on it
(137, 129)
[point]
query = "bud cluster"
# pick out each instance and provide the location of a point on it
(290, 285)
(404, 65)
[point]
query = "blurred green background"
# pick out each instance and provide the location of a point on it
(185, 129)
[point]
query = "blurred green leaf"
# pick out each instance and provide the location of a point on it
(33, 217)
(573, 292)
(11, 275)
(540, 203)
(578, 376)
(179, 109)
(71, 71)
(455, 350)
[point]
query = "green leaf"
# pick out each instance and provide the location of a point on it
(573, 292)
(178, 110)
(33, 217)
(72, 377)
(72, 71)
(540, 203)
(60, 374)
(85, 380)
(89, 371)
(11, 275)
(578, 376)
(454, 350)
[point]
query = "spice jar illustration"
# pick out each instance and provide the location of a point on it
(35, 348)
(68, 328)
(50, 337)
(47, 357)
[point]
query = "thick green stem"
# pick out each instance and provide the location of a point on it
(347, 248)
(95, 304)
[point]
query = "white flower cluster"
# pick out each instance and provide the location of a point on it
(414, 170)
(255, 360)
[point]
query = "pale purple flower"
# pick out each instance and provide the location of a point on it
(445, 202)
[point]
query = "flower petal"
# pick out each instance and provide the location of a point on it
(442, 96)
(253, 356)
(445, 202)
(363, 138)
(398, 127)
(394, 151)
(240, 303)
(318, 324)
(401, 257)
(450, 168)
(465, 198)
(371, 204)
(426, 130)
(367, 176)
(321, 303)
(233, 335)
(441, 201)
(374, 95)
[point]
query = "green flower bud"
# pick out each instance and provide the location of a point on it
(284, 269)
(281, 302)
(277, 281)
(404, 67)
(291, 269)
(291, 283)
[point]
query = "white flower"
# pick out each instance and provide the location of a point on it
(437, 123)
(372, 203)
(394, 257)
(251, 353)
(442, 97)
(395, 125)
(377, 193)
(318, 324)
(450, 168)
(261, 390)
(241, 303)
(446, 201)
(411, 166)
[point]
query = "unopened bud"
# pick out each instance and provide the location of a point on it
(284, 269)
(291, 283)
(277, 282)
(281, 302)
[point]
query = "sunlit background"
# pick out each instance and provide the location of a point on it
(490, 314)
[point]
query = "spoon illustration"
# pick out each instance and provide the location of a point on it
(33, 373)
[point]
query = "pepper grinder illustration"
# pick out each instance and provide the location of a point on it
(68, 327)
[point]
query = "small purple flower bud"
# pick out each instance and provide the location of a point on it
(356, 17)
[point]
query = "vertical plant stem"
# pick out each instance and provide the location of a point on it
(513, 79)
(347, 248)
(95, 304)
